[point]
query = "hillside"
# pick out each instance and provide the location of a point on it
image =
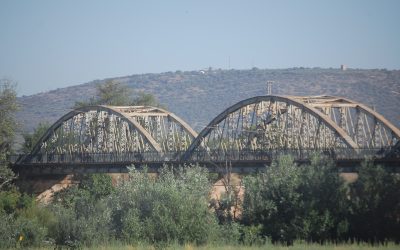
(198, 96)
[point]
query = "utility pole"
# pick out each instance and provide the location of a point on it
(269, 87)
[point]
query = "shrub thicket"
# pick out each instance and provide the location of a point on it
(22, 222)
(284, 203)
(374, 212)
(170, 208)
(312, 203)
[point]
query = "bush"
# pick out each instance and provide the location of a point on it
(74, 228)
(32, 232)
(324, 205)
(291, 202)
(93, 186)
(9, 201)
(375, 205)
(82, 217)
(170, 208)
(8, 237)
(13, 201)
(21, 231)
(283, 204)
(252, 235)
(271, 200)
(228, 234)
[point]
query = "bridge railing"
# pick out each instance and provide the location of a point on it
(198, 156)
(96, 157)
(304, 154)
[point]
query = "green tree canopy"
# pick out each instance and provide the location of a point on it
(113, 93)
(297, 202)
(30, 139)
(8, 126)
(145, 99)
(117, 94)
(375, 205)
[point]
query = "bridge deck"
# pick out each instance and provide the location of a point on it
(238, 166)
(237, 161)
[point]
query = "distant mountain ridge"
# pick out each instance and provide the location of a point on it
(198, 96)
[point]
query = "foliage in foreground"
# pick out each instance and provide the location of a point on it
(284, 204)
(8, 126)
(291, 202)
(313, 203)
(22, 221)
(374, 213)
(170, 208)
(295, 246)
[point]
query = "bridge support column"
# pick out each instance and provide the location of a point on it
(228, 189)
(44, 186)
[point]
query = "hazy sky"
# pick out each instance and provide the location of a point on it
(45, 45)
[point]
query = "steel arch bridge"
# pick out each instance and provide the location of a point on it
(260, 126)
(111, 131)
(250, 133)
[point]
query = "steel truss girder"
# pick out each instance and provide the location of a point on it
(366, 126)
(320, 107)
(130, 115)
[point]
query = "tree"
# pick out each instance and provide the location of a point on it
(8, 125)
(113, 93)
(117, 94)
(170, 208)
(81, 215)
(375, 205)
(145, 99)
(272, 201)
(324, 208)
(92, 187)
(291, 202)
(30, 139)
(109, 93)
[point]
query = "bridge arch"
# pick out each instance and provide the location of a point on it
(365, 126)
(267, 123)
(115, 129)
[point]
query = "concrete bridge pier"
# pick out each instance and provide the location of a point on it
(228, 183)
(43, 187)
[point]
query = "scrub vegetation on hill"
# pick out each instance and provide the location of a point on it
(198, 96)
